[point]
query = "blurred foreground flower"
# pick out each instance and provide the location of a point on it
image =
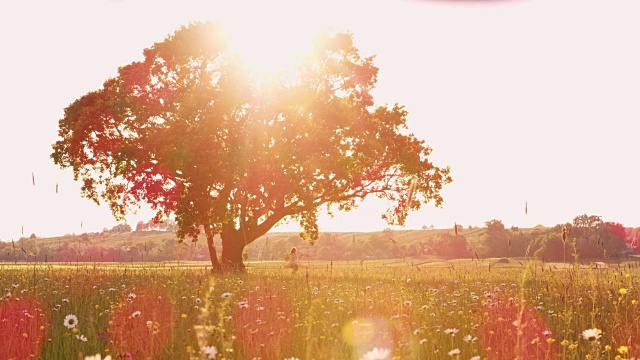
(377, 354)
(97, 357)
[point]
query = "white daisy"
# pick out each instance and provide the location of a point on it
(70, 321)
(469, 339)
(592, 334)
(377, 354)
(451, 332)
(210, 351)
(97, 357)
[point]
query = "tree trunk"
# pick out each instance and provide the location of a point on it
(213, 255)
(232, 247)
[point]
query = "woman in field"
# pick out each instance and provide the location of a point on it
(293, 259)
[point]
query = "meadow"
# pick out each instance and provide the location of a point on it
(393, 309)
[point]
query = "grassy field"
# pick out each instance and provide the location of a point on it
(392, 309)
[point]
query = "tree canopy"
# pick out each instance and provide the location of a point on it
(193, 132)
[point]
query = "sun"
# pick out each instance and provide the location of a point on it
(270, 45)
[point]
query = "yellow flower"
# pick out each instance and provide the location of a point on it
(634, 302)
(75, 330)
(622, 291)
(607, 347)
(564, 342)
(184, 316)
(623, 349)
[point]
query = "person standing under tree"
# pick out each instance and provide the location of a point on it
(293, 259)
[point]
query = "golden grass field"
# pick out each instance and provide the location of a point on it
(382, 309)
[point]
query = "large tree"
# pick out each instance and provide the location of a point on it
(193, 132)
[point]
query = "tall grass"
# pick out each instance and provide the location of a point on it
(462, 309)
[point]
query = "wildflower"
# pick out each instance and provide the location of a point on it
(226, 295)
(469, 339)
(454, 352)
(97, 357)
(198, 300)
(623, 349)
(136, 314)
(70, 321)
(81, 337)
(592, 334)
(408, 303)
(377, 354)
(451, 332)
(623, 291)
(184, 316)
(422, 341)
(243, 304)
(210, 351)
(477, 357)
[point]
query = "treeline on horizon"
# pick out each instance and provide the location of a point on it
(587, 237)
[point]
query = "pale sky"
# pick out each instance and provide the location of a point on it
(527, 100)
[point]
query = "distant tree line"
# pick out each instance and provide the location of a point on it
(587, 237)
